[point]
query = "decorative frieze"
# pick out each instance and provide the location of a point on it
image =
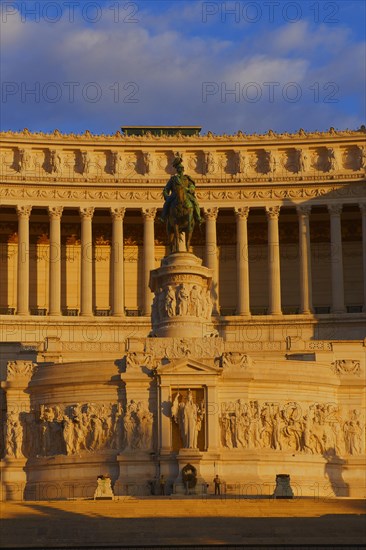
(318, 428)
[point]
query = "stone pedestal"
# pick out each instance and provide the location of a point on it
(137, 471)
(13, 479)
(283, 487)
(193, 458)
(182, 305)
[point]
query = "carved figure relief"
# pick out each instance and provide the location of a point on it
(85, 163)
(24, 161)
(116, 163)
(148, 163)
(210, 163)
(241, 163)
(303, 161)
(170, 302)
(13, 436)
(137, 427)
(333, 160)
(272, 162)
(188, 415)
(362, 157)
(55, 162)
(181, 300)
(310, 429)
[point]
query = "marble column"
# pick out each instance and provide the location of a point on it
(210, 215)
(164, 420)
(55, 214)
(363, 211)
(242, 261)
(86, 292)
(306, 302)
(274, 272)
(23, 213)
(149, 256)
(336, 257)
(118, 303)
(212, 416)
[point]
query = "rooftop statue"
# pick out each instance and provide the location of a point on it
(181, 210)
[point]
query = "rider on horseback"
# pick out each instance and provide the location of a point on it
(169, 192)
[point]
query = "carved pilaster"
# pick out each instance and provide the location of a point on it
(242, 260)
(24, 211)
(149, 213)
(274, 277)
(86, 212)
(211, 214)
(149, 255)
(118, 213)
(303, 213)
(55, 212)
(242, 212)
(335, 211)
(273, 212)
(86, 290)
(363, 212)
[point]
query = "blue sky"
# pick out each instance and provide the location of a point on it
(228, 66)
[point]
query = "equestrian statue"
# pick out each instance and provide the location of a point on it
(181, 210)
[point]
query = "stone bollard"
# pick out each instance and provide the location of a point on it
(283, 487)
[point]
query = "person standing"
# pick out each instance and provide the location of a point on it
(217, 483)
(162, 485)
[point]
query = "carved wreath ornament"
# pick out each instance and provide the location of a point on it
(347, 366)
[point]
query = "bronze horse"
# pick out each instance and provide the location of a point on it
(180, 218)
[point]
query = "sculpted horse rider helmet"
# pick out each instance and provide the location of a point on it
(181, 209)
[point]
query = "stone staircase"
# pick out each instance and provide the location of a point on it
(154, 522)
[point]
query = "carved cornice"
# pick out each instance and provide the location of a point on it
(12, 194)
(270, 135)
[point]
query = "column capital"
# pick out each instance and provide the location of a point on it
(362, 206)
(24, 211)
(273, 212)
(118, 213)
(303, 210)
(86, 213)
(55, 212)
(242, 213)
(149, 213)
(335, 209)
(211, 213)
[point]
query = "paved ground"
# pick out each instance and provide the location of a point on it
(170, 522)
